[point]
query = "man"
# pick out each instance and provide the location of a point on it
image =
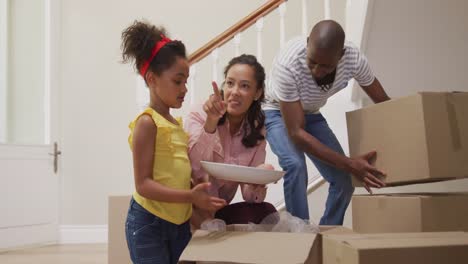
(305, 73)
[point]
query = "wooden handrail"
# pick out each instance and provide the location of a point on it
(232, 31)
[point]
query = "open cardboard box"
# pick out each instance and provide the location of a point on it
(236, 245)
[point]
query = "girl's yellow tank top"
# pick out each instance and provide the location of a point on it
(171, 167)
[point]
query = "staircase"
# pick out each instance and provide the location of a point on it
(262, 33)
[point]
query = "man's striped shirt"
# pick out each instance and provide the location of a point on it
(290, 78)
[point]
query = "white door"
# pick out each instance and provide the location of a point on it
(29, 184)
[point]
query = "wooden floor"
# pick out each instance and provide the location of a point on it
(57, 254)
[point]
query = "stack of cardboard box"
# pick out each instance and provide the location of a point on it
(419, 139)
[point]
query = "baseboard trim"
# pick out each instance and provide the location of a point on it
(25, 236)
(83, 234)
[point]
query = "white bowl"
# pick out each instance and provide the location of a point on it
(237, 173)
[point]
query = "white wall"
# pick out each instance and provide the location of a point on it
(425, 49)
(98, 96)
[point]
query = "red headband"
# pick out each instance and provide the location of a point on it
(154, 51)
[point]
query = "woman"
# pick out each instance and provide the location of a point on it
(229, 128)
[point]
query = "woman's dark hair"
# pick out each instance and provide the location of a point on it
(138, 41)
(255, 118)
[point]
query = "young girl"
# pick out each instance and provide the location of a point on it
(157, 227)
(229, 128)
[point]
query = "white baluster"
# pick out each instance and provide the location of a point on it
(215, 57)
(282, 13)
(305, 24)
(237, 41)
(193, 75)
(259, 26)
(327, 9)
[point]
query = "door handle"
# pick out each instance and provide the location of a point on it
(55, 154)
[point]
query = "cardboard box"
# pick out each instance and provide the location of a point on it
(206, 246)
(420, 138)
(424, 212)
(117, 252)
(414, 248)
(235, 246)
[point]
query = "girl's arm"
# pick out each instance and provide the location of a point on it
(143, 157)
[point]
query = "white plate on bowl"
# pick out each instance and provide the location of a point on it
(237, 173)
